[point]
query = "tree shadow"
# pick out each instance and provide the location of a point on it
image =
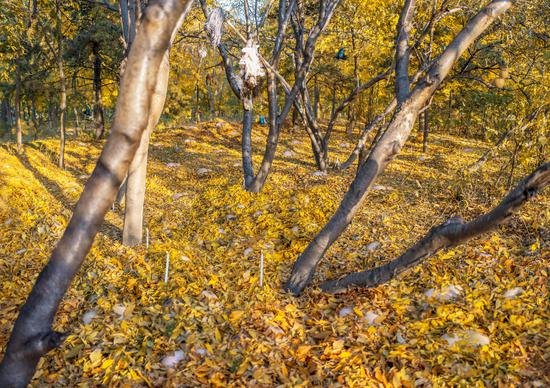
(108, 229)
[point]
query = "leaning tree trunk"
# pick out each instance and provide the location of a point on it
(32, 335)
(447, 235)
(99, 119)
(393, 139)
(132, 233)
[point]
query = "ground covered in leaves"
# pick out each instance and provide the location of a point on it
(476, 315)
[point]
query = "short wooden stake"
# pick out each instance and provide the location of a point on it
(167, 267)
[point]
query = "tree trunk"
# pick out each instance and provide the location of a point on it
(248, 168)
(360, 146)
(77, 122)
(426, 131)
(447, 235)
(5, 116)
(390, 143)
(132, 233)
(32, 336)
(272, 138)
(18, 130)
(316, 97)
(99, 120)
(63, 89)
(294, 126)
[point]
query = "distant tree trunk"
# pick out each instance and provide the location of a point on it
(398, 131)
(99, 120)
(132, 233)
(5, 112)
(18, 130)
(333, 103)
(351, 119)
(32, 335)
(426, 131)
(196, 114)
(449, 107)
(316, 97)
(63, 88)
(77, 128)
(294, 121)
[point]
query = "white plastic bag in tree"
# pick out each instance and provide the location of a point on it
(214, 26)
(251, 67)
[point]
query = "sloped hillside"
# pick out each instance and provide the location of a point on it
(477, 314)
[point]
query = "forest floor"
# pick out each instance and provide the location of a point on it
(475, 315)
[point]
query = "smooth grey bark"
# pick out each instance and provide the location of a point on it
(447, 235)
(248, 169)
(390, 145)
(32, 335)
(402, 54)
(132, 233)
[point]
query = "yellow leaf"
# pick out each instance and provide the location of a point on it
(107, 363)
(235, 316)
(95, 356)
(302, 352)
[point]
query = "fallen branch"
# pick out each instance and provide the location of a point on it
(449, 234)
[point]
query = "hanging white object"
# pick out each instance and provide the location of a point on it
(214, 26)
(202, 52)
(251, 67)
(167, 267)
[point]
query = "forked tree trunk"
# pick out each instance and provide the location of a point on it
(276, 119)
(32, 335)
(447, 235)
(132, 233)
(391, 141)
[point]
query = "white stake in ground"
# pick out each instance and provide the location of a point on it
(262, 269)
(147, 238)
(167, 267)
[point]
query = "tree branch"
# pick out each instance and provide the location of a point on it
(449, 234)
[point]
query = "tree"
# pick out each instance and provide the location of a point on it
(451, 233)
(244, 89)
(32, 336)
(397, 132)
